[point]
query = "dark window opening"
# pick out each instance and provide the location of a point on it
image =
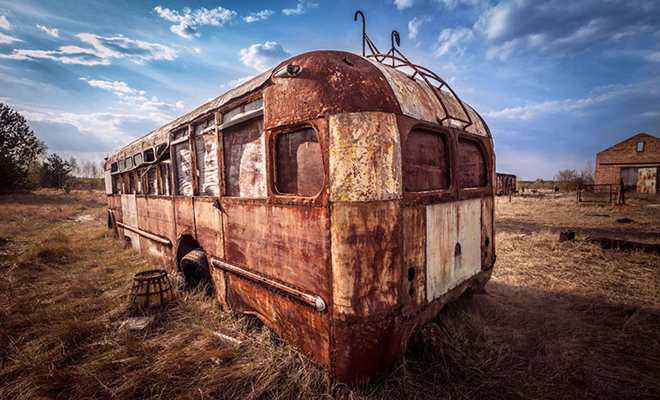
(640, 146)
(131, 183)
(471, 164)
(425, 161)
(299, 163)
(151, 181)
(113, 167)
(149, 155)
(116, 184)
(163, 151)
(165, 179)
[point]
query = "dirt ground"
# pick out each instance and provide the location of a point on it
(560, 320)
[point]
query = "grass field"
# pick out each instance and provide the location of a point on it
(560, 320)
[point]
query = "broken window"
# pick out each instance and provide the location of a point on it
(425, 161)
(151, 180)
(299, 163)
(471, 164)
(245, 159)
(207, 159)
(113, 167)
(165, 180)
(149, 155)
(131, 183)
(116, 184)
(139, 189)
(640, 146)
(183, 185)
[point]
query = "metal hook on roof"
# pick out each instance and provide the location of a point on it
(364, 27)
(395, 36)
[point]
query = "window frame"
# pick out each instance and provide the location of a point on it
(449, 139)
(643, 145)
(271, 143)
(487, 162)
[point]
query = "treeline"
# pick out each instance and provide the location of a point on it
(24, 165)
(566, 179)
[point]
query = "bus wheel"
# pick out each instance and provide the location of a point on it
(195, 269)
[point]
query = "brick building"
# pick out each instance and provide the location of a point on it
(635, 160)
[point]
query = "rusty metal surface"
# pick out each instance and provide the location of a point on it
(299, 163)
(297, 323)
(287, 242)
(331, 82)
(426, 165)
(365, 157)
(209, 226)
(471, 164)
(366, 258)
(414, 260)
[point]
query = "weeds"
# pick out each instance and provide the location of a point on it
(561, 320)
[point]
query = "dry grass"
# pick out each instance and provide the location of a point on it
(561, 320)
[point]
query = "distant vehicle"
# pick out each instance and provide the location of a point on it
(506, 184)
(340, 200)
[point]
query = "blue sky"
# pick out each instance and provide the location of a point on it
(556, 81)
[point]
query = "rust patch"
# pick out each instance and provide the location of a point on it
(366, 258)
(413, 291)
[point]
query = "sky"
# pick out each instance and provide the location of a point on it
(556, 81)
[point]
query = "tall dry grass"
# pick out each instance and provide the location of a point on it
(561, 320)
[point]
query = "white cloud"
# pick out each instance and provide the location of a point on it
(576, 106)
(263, 56)
(302, 7)
(413, 26)
(451, 4)
(453, 39)
(103, 50)
(653, 56)
(4, 24)
(6, 39)
(188, 21)
(236, 82)
(136, 98)
(401, 4)
(260, 16)
(52, 32)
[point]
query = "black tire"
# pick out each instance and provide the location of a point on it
(195, 269)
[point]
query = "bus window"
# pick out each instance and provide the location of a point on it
(122, 165)
(116, 184)
(138, 159)
(425, 161)
(129, 162)
(113, 167)
(245, 159)
(131, 183)
(299, 163)
(166, 183)
(139, 182)
(472, 165)
(207, 160)
(181, 152)
(149, 155)
(151, 180)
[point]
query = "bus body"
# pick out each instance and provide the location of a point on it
(334, 197)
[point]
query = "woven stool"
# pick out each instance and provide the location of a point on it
(151, 288)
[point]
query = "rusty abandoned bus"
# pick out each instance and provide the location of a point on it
(340, 200)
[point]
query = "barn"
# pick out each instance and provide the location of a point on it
(635, 161)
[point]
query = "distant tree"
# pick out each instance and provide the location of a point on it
(567, 179)
(587, 172)
(75, 169)
(58, 171)
(19, 148)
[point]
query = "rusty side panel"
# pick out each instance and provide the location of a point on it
(646, 180)
(296, 323)
(366, 258)
(286, 243)
(365, 157)
(219, 278)
(365, 350)
(184, 216)
(414, 260)
(208, 220)
(487, 233)
(453, 245)
(331, 82)
(299, 164)
(245, 159)
(130, 217)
